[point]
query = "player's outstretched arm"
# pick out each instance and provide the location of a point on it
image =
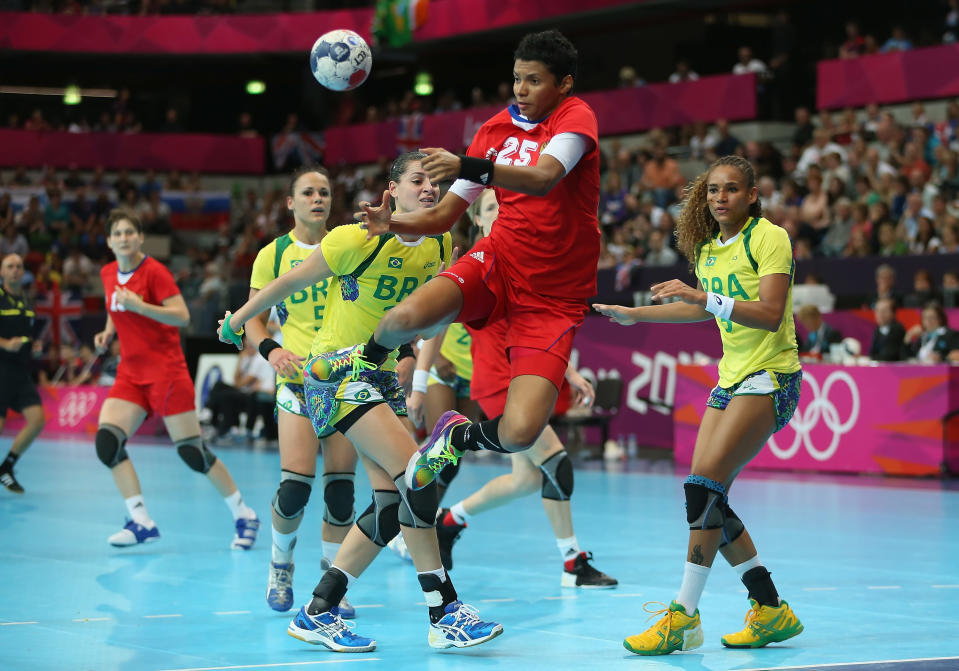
(533, 180)
(305, 274)
(432, 221)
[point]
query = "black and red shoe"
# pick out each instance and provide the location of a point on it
(578, 572)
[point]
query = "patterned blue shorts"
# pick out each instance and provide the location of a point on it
(329, 403)
(783, 387)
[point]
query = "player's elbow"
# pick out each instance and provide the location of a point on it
(183, 318)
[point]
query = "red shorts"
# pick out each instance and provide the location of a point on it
(538, 331)
(167, 396)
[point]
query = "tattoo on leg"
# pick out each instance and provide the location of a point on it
(696, 556)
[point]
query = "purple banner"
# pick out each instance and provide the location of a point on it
(932, 72)
(645, 358)
(870, 419)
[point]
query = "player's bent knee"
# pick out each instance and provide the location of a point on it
(733, 527)
(557, 477)
(705, 502)
(292, 495)
(196, 454)
(380, 522)
(418, 508)
(338, 497)
(110, 442)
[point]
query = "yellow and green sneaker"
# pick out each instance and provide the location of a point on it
(765, 625)
(675, 631)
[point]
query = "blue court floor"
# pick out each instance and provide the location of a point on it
(870, 566)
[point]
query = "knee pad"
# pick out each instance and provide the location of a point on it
(418, 509)
(557, 477)
(196, 454)
(380, 522)
(292, 495)
(732, 526)
(110, 442)
(338, 496)
(705, 502)
(447, 475)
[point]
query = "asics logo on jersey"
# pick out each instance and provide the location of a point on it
(395, 262)
(821, 407)
(429, 265)
(478, 256)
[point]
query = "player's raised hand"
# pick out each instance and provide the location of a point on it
(616, 313)
(678, 289)
(441, 165)
(285, 362)
(226, 332)
(376, 220)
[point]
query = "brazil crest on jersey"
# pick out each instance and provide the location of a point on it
(456, 350)
(370, 277)
(301, 315)
(733, 269)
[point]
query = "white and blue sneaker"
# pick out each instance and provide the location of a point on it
(134, 534)
(328, 629)
(245, 536)
(398, 547)
(279, 587)
(462, 628)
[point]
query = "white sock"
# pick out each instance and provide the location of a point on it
(747, 565)
(283, 545)
(568, 547)
(459, 513)
(138, 510)
(439, 573)
(329, 551)
(350, 579)
(237, 507)
(694, 581)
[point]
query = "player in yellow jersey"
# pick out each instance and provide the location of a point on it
(301, 315)
(745, 266)
(368, 278)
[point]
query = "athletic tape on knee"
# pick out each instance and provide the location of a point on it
(418, 509)
(338, 497)
(196, 454)
(380, 522)
(732, 526)
(110, 442)
(705, 499)
(293, 494)
(557, 477)
(446, 476)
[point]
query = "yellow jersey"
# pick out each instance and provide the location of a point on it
(456, 350)
(369, 278)
(301, 315)
(733, 269)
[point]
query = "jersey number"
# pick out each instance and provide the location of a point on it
(511, 146)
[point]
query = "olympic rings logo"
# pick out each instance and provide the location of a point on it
(821, 407)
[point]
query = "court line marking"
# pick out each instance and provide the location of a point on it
(842, 664)
(503, 600)
(945, 586)
(279, 664)
(884, 587)
(10, 624)
(564, 597)
(92, 619)
(231, 612)
(370, 605)
(163, 615)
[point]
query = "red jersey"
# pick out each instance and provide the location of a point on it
(549, 243)
(149, 350)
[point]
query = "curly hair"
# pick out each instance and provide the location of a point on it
(695, 224)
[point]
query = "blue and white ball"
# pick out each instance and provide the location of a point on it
(341, 60)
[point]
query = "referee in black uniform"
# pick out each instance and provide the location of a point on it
(17, 390)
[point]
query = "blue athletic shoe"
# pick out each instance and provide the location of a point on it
(330, 630)
(245, 535)
(436, 453)
(134, 534)
(461, 628)
(279, 588)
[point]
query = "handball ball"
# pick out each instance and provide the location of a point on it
(340, 60)
(852, 346)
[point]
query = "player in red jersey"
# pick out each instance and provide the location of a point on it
(535, 271)
(145, 310)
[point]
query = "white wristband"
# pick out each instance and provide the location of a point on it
(721, 306)
(420, 378)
